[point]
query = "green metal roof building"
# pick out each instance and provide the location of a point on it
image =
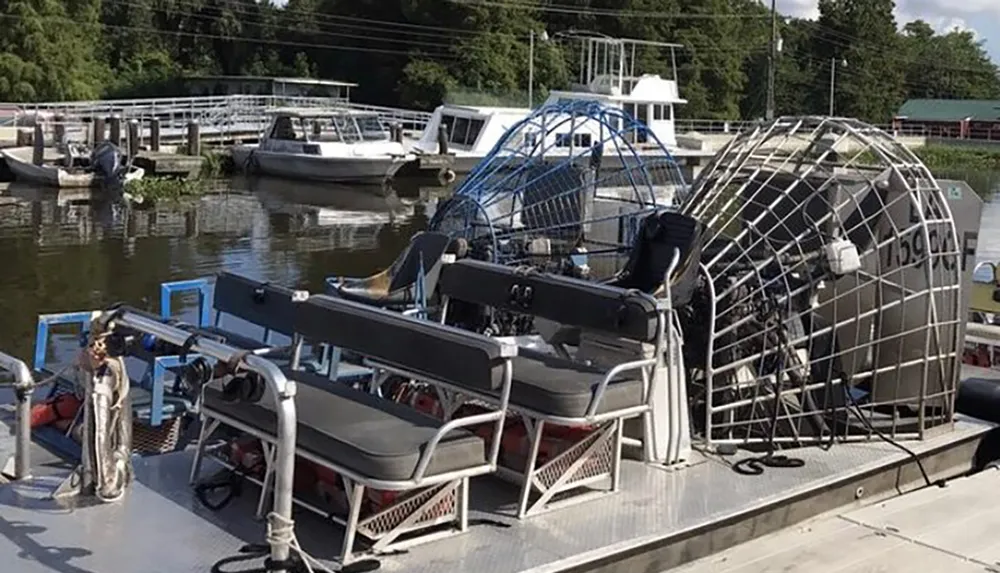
(966, 119)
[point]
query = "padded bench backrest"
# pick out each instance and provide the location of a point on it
(450, 355)
(266, 305)
(568, 301)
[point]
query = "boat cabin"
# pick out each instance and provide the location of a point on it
(607, 73)
(309, 131)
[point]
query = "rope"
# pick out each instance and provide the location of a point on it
(281, 531)
(106, 418)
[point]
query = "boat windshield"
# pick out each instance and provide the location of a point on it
(348, 129)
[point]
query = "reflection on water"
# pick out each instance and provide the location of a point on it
(67, 251)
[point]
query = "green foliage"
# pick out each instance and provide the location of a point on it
(948, 158)
(152, 189)
(419, 53)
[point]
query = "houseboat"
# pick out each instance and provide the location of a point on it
(608, 74)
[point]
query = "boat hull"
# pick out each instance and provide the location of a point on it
(49, 175)
(360, 169)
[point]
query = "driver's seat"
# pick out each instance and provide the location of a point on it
(660, 233)
(396, 287)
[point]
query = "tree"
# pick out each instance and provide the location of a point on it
(862, 34)
(953, 65)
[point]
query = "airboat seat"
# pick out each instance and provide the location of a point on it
(368, 435)
(660, 234)
(397, 287)
(560, 391)
(565, 388)
(374, 443)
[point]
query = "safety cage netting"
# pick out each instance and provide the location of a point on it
(573, 178)
(828, 304)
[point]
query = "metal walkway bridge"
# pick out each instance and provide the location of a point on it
(222, 119)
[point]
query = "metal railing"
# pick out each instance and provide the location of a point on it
(225, 116)
(722, 126)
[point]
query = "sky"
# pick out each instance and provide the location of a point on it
(980, 16)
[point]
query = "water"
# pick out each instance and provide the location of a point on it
(63, 252)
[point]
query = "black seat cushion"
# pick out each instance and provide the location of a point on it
(372, 436)
(555, 386)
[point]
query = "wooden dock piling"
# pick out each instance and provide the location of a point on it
(38, 142)
(115, 127)
(59, 130)
(154, 134)
(100, 130)
(443, 140)
(133, 138)
(194, 138)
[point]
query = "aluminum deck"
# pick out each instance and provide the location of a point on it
(935, 530)
(661, 518)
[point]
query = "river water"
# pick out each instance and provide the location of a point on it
(62, 252)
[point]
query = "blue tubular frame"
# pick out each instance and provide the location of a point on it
(153, 380)
(202, 286)
(42, 334)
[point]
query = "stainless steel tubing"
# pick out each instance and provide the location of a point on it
(24, 384)
(283, 390)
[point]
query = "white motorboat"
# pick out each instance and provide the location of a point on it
(338, 145)
(607, 75)
(80, 171)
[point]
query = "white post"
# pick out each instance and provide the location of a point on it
(833, 76)
(531, 68)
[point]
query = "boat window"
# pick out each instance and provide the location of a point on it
(347, 128)
(460, 130)
(372, 128)
(578, 140)
(661, 112)
(287, 129)
(474, 128)
(530, 139)
(446, 122)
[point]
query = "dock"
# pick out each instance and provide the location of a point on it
(935, 530)
(162, 164)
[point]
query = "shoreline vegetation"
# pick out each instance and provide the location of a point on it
(216, 164)
(418, 53)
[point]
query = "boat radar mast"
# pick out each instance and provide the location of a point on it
(610, 71)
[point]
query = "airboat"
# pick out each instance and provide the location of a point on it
(566, 372)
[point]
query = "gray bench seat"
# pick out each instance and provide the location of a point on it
(559, 387)
(362, 432)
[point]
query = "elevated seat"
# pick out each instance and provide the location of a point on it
(398, 286)
(553, 390)
(373, 443)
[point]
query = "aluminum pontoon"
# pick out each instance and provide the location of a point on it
(744, 369)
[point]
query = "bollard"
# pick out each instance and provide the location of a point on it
(397, 132)
(100, 131)
(443, 139)
(154, 134)
(38, 141)
(115, 129)
(133, 138)
(194, 138)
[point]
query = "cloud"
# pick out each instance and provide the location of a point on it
(942, 15)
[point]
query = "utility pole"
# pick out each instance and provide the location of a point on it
(772, 60)
(531, 68)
